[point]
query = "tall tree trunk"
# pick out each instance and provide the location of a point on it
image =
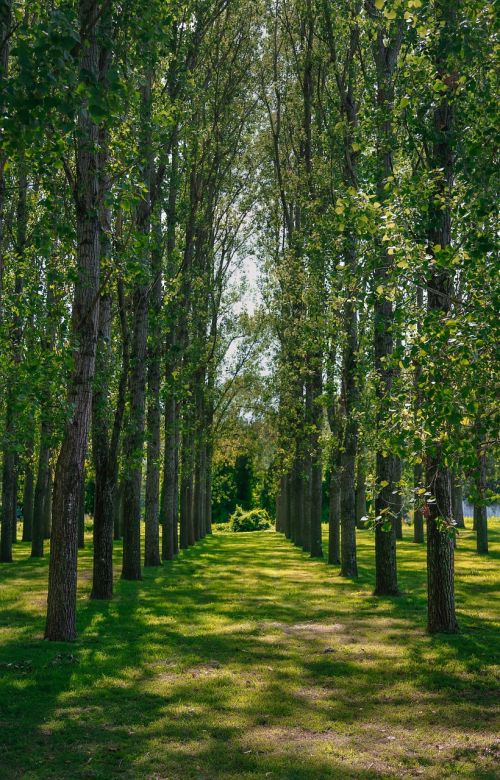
(28, 492)
(118, 512)
(360, 493)
(349, 402)
(349, 566)
(10, 460)
(440, 552)
(61, 606)
(480, 508)
(186, 487)
(47, 505)
(397, 498)
(5, 31)
(169, 486)
(134, 434)
(102, 575)
(81, 514)
(114, 448)
(8, 482)
(418, 469)
(14, 499)
(40, 491)
(334, 512)
(104, 449)
(457, 501)
(316, 465)
(440, 546)
(386, 51)
(152, 509)
(418, 517)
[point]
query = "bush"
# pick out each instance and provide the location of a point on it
(253, 520)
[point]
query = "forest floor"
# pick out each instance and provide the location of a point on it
(244, 659)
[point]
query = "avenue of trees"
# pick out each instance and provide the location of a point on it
(146, 150)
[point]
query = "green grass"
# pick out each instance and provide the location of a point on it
(246, 659)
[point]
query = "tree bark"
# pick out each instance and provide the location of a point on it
(334, 513)
(28, 493)
(102, 575)
(349, 566)
(440, 552)
(360, 493)
(134, 435)
(480, 509)
(5, 29)
(418, 517)
(386, 51)
(152, 509)
(458, 501)
(81, 514)
(11, 434)
(47, 505)
(170, 485)
(104, 447)
(40, 492)
(61, 605)
(440, 546)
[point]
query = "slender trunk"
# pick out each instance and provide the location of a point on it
(418, 469)
(10, 459)
(14, 499)
(186, 489)
(398, 498)
(114, 448)
(176, 483)
(152, 509)
(61, 605)
(210, 452)
(458, 501)
(5, 29)
(118, 512)
(81, 514)
(28, 493)
(102, 575)
(418, 517)
(298, 502)
(8, 483)
(334, 512)
(440, 552)
(440, 546)
(386, 51)
(480, 509)
(104, 450)
(349, 391)
(316, 466)
(40, 493)
(47, 505)
(169, 486)
(349, 566)
(360, 494)
(134, 435)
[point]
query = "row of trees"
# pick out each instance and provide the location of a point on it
(379, 229)
(126, 129)
(145, 148)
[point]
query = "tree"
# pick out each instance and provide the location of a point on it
(61, 605)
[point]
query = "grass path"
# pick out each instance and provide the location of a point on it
(245, 659)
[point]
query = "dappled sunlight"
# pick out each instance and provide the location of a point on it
(244, 658)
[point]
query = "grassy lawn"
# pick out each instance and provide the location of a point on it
(245, 659)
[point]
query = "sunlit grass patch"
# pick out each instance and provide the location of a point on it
(246, 659)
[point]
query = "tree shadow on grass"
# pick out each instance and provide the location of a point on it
(217, 666)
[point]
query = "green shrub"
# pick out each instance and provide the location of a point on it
(252, 520)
